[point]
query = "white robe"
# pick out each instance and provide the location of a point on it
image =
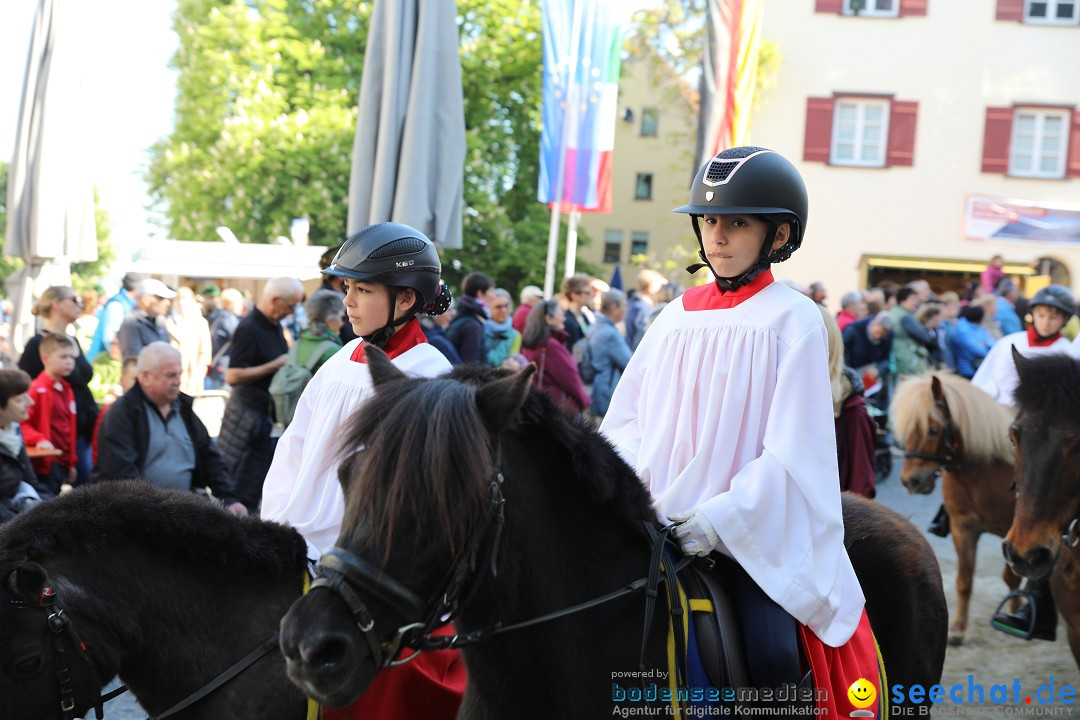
(997, 376)
(732, 410)
(302, 487)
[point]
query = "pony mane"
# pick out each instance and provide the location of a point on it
(981, 422)
(435, 454)
(97, 519)
(1050, 389)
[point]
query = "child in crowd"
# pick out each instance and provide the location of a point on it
(128, 374)
(51, 423)
(19, 487)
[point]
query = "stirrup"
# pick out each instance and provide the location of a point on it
(999, 620)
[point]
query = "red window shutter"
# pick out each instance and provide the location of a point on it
(902, 133)
(996, 139)
(1072, 165)
(1010, 10)
(829, 6)
(913, 7)
(819, 119)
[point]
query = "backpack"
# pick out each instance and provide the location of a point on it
(290, 380)
(582, 353)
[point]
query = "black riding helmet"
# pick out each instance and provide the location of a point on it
(397, 256)
(1055, 296)
(752, 181)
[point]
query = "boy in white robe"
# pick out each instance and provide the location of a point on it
(391, 273)
(1051, 308)
(725, 411)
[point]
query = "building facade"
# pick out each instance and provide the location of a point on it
(932, 135)
(652, 167)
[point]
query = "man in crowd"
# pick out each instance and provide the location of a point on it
(467, 329)
(258, 350)
(852, 308)
(151, 433)
(112, 315)
(867, 347)
(142, 326)
(223, 322)
(530, 295)
(649, 283)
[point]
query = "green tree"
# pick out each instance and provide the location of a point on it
(265, 117)
(8, 265)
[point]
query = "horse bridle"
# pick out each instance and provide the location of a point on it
(947, 443)
(60, 625)
(343, 572)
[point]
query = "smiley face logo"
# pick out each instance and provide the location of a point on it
(862, 693)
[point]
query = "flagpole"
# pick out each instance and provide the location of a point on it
(571, 241)
(571, 107)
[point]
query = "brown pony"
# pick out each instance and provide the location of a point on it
(951, 428)
(1044, 539)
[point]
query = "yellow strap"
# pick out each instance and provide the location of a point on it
(701, 605)
(883, 696)
(314, 712)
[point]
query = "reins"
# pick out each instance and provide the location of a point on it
(59, 624)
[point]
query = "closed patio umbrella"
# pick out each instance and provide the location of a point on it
(408, 159)
(50, 198)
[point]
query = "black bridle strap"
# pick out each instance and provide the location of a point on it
(947, 444)
(386, 589)
(445, 642)
(247, 661)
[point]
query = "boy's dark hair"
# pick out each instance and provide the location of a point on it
(13, 382)
(904, 293)
(972, 313)
(53, 342)
(476, 283)
(128, 362)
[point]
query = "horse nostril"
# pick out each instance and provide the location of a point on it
(326, 651)
(1008, 551)
(1039, 557)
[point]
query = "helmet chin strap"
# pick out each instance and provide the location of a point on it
(727, 284)
(380, 337)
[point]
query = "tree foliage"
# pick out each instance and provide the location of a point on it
(266, 113)
(265, 116)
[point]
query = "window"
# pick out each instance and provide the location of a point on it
(872, 8)
(639, 243)
(860, 133)
(613, 246)
(1039, 142)
(643, 187)
(1051, 12)
(650, 118)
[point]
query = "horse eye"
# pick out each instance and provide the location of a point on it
(933, 431)
(29, 667)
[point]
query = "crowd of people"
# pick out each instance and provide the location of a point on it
(719, 396)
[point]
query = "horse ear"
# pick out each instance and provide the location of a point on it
(1018, 360)
(27, 581)
(382, 369)
(499, 400)
(936, 389)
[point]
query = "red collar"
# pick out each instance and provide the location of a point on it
(1034, 340)
(404, 339)
(711, 297)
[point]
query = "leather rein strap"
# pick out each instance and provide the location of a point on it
(947, 445)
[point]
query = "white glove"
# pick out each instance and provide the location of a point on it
(694, 532)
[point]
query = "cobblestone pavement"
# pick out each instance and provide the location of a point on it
(989, 656)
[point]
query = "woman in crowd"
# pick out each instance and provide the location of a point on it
(58, 307)
(326, 316)
(19, 486)
(544, 344)
(501, 340)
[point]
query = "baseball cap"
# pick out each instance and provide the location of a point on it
(156, 288)
(211, 291)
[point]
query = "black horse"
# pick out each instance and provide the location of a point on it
(473, 496)
(1044, 540)
(164, 589)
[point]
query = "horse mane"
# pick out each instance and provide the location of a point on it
(436, 455)
(97, 519)
(1050, 388)
(981, 421)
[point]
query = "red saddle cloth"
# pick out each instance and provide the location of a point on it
(837, 669)
(428, 688)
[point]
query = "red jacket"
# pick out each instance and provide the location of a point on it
(38, 426)
(557, 373)
(856, 439)
(520, 316)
